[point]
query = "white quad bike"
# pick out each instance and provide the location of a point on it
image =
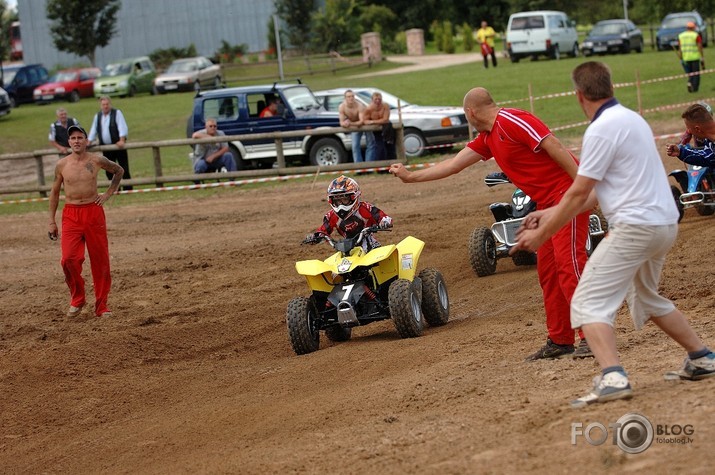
(487, 245)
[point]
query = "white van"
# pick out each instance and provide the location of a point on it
(545, 32)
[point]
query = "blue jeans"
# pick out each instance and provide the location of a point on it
(227, 160)
(371, 150)
(356, 138)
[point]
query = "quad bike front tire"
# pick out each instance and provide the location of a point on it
(302, 322)
(676, 196)
(338, 333)
(483, 252)
(435, 300)
(405, 308)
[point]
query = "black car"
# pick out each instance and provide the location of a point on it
(674, 24)
(20, 82)
(613, 36)
(237, 112)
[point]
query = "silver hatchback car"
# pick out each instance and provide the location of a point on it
(190, 74)
(425, 127)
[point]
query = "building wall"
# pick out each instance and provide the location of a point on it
(146, 25)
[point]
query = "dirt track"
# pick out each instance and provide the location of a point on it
(195, 372)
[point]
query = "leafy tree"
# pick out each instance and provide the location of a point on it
(336, 25)
(379, 18)
(4, 28)
(296, 15)
(448, 37)
(228, 52)
(468, 36)
(82, 27)
(162, 58)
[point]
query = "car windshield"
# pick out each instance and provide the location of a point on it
(183, 67)
(677, 22)
(387, 98)
(117, 69)
(64, 76)
(527, 22)
(608, 29)
(300, 98)
(8, 76)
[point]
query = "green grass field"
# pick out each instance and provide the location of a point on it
(164, 117)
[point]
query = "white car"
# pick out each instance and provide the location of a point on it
(189, 74)
(424, 126)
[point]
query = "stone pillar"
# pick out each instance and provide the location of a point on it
(415, 42)
(371, 47)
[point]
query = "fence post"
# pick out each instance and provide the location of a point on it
(156, 153)
(400, 144)
(280, 158)
(531, 99)
(40, 174)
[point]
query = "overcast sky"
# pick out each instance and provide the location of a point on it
(11, 3)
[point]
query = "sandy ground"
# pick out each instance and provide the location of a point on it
(195, 372)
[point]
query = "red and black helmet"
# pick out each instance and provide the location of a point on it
(344, 196)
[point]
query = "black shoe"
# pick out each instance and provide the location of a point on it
(552, 351)
(583, 350)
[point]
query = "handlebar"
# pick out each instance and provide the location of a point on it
(317, 238)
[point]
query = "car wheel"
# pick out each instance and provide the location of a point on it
(153, 91)
(415, 143)
(639, 49)
(587, 53)
(555, 53)
(13, 102)
(197, 86)
(574, 51)
(514, 58)
(217, 82)
(74, 96)
(241, 164)
(626, 48)
(327, 151)
(132, 91)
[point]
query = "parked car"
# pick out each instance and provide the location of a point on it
(424, 126)
(68, 84)
(126, 78)
(21, 80)
(190, 74)
(237, 110)
(5, 104)
(545, 32)
(613, 36)
(674, 24)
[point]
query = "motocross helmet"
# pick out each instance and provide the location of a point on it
(344, 196)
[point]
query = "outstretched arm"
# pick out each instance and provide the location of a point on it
(443, 169)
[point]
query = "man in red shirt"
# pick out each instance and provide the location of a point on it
(535, 161)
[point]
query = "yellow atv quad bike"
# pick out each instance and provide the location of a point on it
(355, 287)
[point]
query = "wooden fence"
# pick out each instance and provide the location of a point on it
(159, 179)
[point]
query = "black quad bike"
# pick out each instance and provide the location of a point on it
(487, 245)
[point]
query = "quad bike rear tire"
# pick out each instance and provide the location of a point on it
(302, 322)
(338, 333)
(524, 258)
(435, 300)
(405, 308)
(483, 252)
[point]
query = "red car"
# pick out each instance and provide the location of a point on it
(68, 84)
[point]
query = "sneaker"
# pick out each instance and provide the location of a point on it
(74, 311)
(696, 369)
(690, 87)
(609, 387)
(551, 351)
(106, 315)
(583, 350)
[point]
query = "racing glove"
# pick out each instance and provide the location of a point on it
(314, 238)
(386, 222)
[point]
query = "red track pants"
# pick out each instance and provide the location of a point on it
(559, 264)
(86, 224)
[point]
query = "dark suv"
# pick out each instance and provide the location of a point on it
(20, 82)
(237, 111)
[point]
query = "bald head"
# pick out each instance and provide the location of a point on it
(480, 109)
(478, 98)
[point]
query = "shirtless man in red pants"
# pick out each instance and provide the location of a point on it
(83, 220)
